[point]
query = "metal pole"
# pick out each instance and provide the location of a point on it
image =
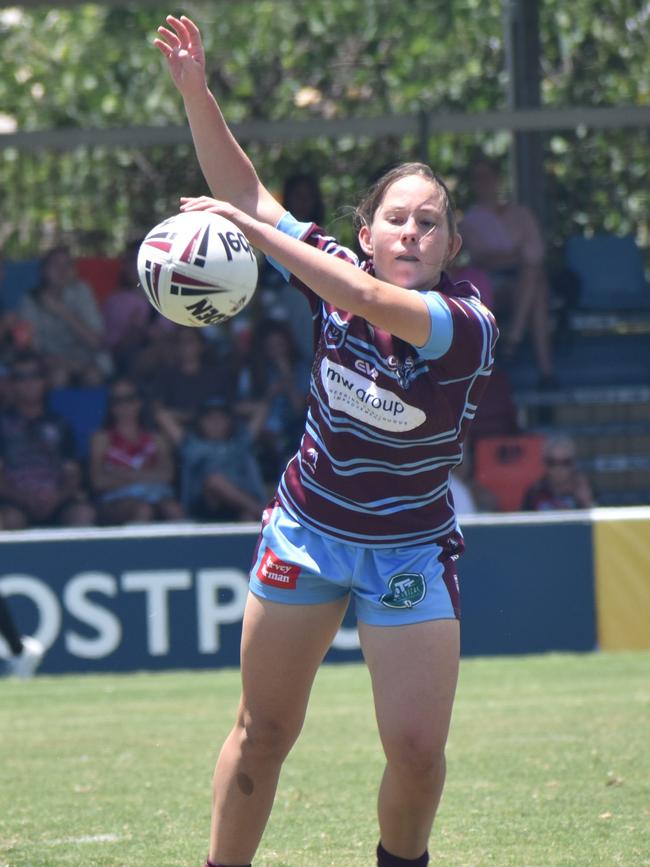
(522, 51)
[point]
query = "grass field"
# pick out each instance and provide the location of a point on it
(549, 765)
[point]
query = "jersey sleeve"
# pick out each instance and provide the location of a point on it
(442, 327)
(474, 335)
(288, 225)
(312, 234)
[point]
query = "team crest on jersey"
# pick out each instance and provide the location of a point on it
(406, 371)
(406, 590)
(335, 331)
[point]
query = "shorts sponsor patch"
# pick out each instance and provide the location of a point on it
(405, 590)
(276, 572)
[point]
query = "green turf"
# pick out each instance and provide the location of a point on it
(549, 765)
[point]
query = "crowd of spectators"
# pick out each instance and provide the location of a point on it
(198, 423)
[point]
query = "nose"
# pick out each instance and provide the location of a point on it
(410, 230)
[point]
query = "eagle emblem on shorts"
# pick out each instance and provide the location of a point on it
(406, 590)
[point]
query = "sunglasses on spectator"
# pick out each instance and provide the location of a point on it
(558, 462)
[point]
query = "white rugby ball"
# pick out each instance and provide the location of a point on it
(197, 268)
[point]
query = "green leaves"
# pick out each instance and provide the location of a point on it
(94, 66)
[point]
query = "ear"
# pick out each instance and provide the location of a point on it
(365, 240)
(453, 249)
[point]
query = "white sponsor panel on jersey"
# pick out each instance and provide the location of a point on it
(362, 399)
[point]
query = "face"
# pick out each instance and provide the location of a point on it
(485, 182)
(28, 381)
(124, 398)
(189, 345)
(408, 238)
(560, 464)
(59, 269)
(215, 424)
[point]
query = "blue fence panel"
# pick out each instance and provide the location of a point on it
(528, 587)
(173, 597)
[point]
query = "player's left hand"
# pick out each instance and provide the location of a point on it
(216, 206)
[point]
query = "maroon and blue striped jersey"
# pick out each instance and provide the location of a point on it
(386, 420)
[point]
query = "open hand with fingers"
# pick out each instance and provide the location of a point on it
(217, 206)
(182, 47)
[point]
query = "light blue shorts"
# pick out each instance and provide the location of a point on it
(390, 586)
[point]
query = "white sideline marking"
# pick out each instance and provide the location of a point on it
(87, 838)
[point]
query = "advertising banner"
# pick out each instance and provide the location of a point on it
(169, 597)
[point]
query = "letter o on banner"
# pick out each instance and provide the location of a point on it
(46, 602)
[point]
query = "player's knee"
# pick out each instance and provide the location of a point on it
(268, 737)
(417, 753)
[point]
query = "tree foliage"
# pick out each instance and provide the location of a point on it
(93, 66)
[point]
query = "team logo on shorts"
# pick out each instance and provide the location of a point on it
(406, 590)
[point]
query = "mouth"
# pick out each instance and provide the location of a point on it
(405, 257)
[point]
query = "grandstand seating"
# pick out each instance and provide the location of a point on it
(508, 466)
(611, 272)
(20, 275)
(100, 272)
(84, 409)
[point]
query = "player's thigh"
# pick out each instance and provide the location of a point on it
(414, 671)
(282, 648)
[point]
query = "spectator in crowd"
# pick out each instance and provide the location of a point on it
(191, 375)
(131, 466)
(503, 238)
(220, 477)
(301, 196)
(562, 486)
(25, 652)
(127, 313)
(497, 413)
(461, 269)
(66, 323)
(40, 478)
(275, 382)
(15, 333)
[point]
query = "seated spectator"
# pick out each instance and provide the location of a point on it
(562, 486)
(462, 270)
(131, 467)
(15, 333)
(302, 197)
(127, 313)
(153, 355)
(191, 375)
(67, 325)
(221, 478)
(275, 383)
(503, 238)
(40, 480)
(497, 412)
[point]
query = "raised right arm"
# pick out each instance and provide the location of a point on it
(227, 169)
